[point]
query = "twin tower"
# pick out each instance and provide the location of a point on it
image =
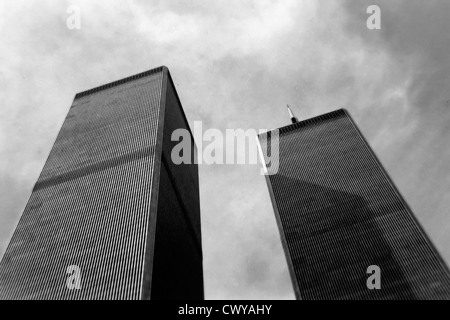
(112, 217)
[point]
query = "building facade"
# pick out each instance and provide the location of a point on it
(338, 214)
(110, 212)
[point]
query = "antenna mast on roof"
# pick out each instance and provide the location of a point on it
(291, 114)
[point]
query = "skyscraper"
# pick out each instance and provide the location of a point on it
(338, 214)
(110, 208)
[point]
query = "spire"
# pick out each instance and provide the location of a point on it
(291, 114)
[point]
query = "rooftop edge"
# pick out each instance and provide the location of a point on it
(119, 82)
(304, 123)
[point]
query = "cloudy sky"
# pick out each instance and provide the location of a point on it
(235, 65)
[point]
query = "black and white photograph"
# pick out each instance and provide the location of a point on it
(224, 155)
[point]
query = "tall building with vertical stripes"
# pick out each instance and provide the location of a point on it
(339, 213)
(110, 202)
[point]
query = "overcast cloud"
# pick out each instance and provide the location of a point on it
(236, 64)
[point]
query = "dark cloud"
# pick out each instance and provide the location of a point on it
(415, 36)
